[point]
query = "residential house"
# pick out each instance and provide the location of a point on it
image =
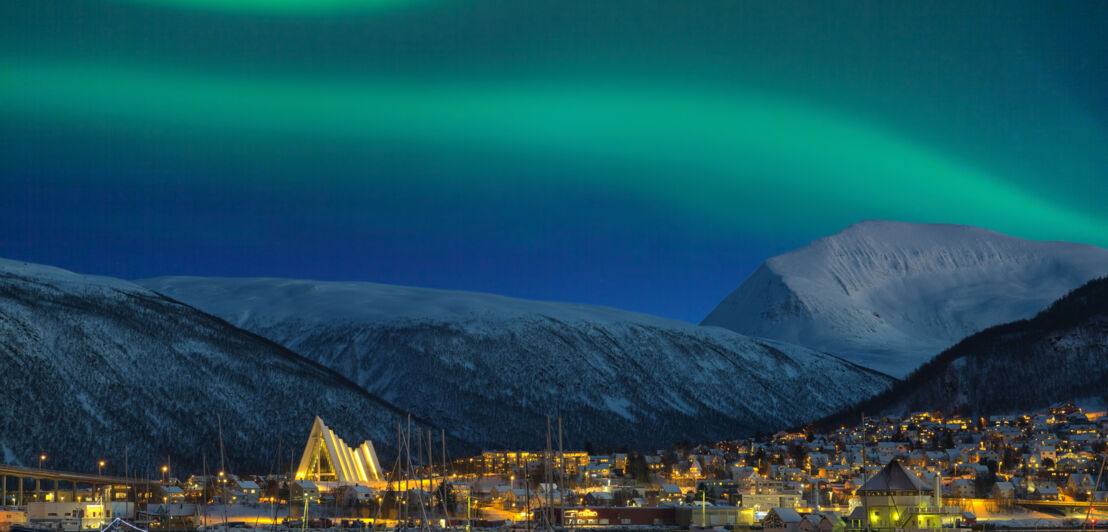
(302, 490)
(781, 520)
(245, 492)
(1004, 491)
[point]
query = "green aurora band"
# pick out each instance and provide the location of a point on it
(281, 7)
(724, 155)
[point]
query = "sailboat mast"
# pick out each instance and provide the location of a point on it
(400, 472)
(430, 471)
(561, 471)
(865, 499)
(419, 452)
(223, 472)
(445, 506)
(430, 462)
(548, 455)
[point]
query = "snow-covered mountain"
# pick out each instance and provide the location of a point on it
(491, 368)
(1060, 355)
(95, 367)
(890, 295)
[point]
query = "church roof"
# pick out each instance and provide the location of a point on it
(327, 454)
(894, 477)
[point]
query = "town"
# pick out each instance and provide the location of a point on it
(922, 472)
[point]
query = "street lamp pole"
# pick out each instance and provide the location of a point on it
(164, 469)
(41, 458)
(100, 468)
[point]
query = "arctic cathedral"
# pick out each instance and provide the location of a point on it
(328, 459)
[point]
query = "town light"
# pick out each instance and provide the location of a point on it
(41, 459)
(100, 467)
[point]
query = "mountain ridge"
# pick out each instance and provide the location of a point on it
(95, 364)
(648, 380)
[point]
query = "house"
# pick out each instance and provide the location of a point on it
(831, 522)
(302, 490)
(744, 476)
(781, 520)
(962, 488)
(671, 493)
(171, 515)
(173, 495)
(1004, 491)
(654, 462)
(1048, 493)
(600, 470)
(620, 461)
(354, 494)
(1079, 484)
(246, 491)
(598, 498)
(762, 501)
(517, 498)
(689, 471)
(809, 523)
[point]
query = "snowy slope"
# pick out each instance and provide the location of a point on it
(1060, 355)
(490, 368)
(889, 295)
(92, 366)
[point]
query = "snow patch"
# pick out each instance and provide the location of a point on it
(620, 406)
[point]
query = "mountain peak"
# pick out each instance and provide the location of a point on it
(889, 295)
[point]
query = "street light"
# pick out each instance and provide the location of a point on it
(164, 469)
(100, 468)
(41, 458)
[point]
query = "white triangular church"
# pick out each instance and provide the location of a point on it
(328, 459)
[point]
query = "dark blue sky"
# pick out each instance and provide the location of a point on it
(643, 155)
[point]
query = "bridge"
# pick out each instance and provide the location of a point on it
(22, 474)
(1060, 507)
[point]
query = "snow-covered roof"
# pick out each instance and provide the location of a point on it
(787, 515)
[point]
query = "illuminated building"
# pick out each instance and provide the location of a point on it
(896, 499)
(328, 459)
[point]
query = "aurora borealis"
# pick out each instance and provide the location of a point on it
(639, 154)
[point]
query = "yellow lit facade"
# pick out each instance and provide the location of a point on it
(505, 462)
(328, 458)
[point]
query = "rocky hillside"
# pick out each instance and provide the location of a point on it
(94, 366)
(1059, 355)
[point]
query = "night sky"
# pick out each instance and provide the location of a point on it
(641, 154)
